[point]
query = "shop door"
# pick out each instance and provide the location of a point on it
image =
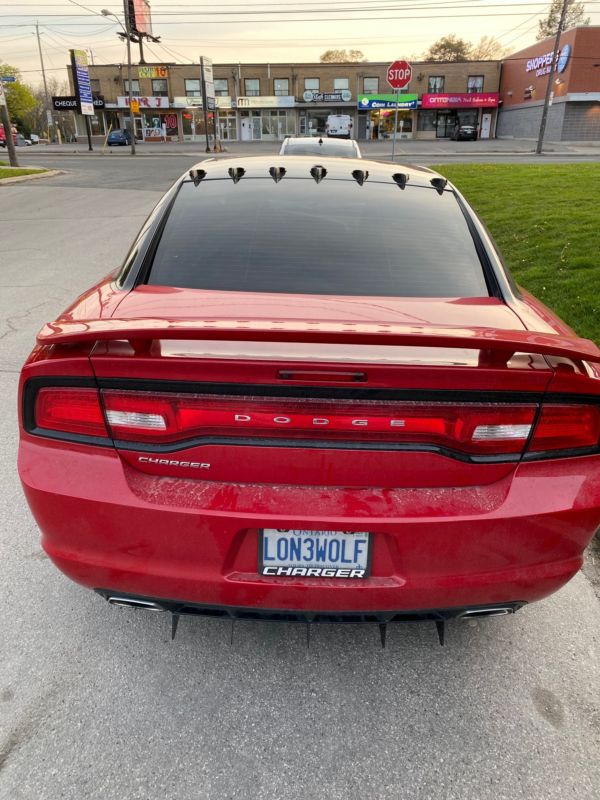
(246, 129)
(256, 127)
(444, 124)
(486, 125)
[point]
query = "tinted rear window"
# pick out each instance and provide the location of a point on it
(335, 237)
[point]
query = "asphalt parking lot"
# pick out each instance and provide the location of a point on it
(97, 702)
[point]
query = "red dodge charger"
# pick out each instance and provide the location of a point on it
(313, 392)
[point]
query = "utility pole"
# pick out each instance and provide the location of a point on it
(540, 141)
(12, 155)
(204, 103)
(46, 95)
(129, 79)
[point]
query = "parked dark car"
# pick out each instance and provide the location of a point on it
(464, 132)
(119, 137)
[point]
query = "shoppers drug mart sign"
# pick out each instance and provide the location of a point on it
(541, 64)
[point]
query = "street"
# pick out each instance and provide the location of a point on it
(97, 702)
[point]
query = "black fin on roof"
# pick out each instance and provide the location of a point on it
(401, 178)
(236, 173)
(197, 175)
(318, 173)
(439, 184)
(277, 173)
(360, 176)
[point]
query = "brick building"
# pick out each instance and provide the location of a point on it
(270, 101)
(575, 111)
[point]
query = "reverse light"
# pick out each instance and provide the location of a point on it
(133, 419)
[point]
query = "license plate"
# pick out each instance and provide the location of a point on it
(314, 554)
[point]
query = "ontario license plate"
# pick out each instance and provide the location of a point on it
(314, 554)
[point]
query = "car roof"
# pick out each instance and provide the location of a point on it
(301, 166)
(321, 139)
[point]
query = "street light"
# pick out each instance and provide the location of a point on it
(127, 35)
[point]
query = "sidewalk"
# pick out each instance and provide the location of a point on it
(430, 148)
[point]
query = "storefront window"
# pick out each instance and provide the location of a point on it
(193, 88)
(311, 84)
(221, 87)
(252, 87)
(370, 85)
(281, 87)
(475, 83)
(227, 126)
(435, 84)
(426, 121)
(135, 88)
(468, 117)
(160, 88)
(339, 84)
(383, 122)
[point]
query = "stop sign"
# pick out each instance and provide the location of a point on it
(399, 74)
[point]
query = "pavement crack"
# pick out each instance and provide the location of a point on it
(27, 725)
(10, 322)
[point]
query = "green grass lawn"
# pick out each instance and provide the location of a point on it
(546, 221)
(13, 172)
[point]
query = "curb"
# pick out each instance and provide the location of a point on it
(406, 154)
(51, 173)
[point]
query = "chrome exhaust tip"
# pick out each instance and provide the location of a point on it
(130, 602)
(494, 611)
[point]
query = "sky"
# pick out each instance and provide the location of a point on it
(272, 31)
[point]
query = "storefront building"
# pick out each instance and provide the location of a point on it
(267, 102)
(378, 114)
(574, 114)
(441, 114)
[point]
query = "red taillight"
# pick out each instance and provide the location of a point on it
(566, 428)
(70, 411)
(470, 428)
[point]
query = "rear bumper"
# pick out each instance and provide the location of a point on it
(318, 617)
(107, 525)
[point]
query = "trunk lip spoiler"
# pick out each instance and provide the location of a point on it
(140, 332)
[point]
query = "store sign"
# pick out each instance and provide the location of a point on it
(145, 102)
(287, 101)
(81, 82)
(542, 64)
(153, 72)
(69, 103)
(187, 102)
(461, 100)
(343, 96)
(370, 101)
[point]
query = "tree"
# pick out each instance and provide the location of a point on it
(19, 97)
(36, 119)
(574, 16)
(342, 56)
(487, 49)
(449, 48)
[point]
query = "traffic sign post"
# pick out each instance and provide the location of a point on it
(399, 75)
